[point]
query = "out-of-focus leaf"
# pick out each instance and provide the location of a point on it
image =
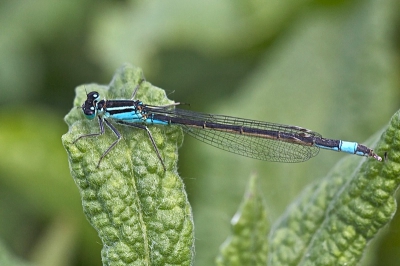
(331, 223)
(335, 218)
(6, 258)
(335, 73)
(54, 247)
(247, 245)
(211, 27)
(33, 161)
(24, 26)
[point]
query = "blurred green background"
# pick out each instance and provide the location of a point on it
(330, 66)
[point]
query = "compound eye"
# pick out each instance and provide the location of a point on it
(94, 96)
(88, 110)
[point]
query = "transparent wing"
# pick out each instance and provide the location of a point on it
(224, 132)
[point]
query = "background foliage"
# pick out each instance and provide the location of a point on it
(331, 66)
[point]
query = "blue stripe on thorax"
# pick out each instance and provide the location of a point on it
(134, 117)
(131, 116)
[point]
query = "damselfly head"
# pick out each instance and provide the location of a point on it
(89, 107)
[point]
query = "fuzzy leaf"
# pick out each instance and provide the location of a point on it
(335, 218)
(140, 211)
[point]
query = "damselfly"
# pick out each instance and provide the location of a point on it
(255, 139)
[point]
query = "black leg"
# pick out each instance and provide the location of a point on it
(113, 144)
(150, 137)
(101, 126)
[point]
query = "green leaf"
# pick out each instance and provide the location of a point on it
(248, 243)
(335, 218)
(140, 211)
